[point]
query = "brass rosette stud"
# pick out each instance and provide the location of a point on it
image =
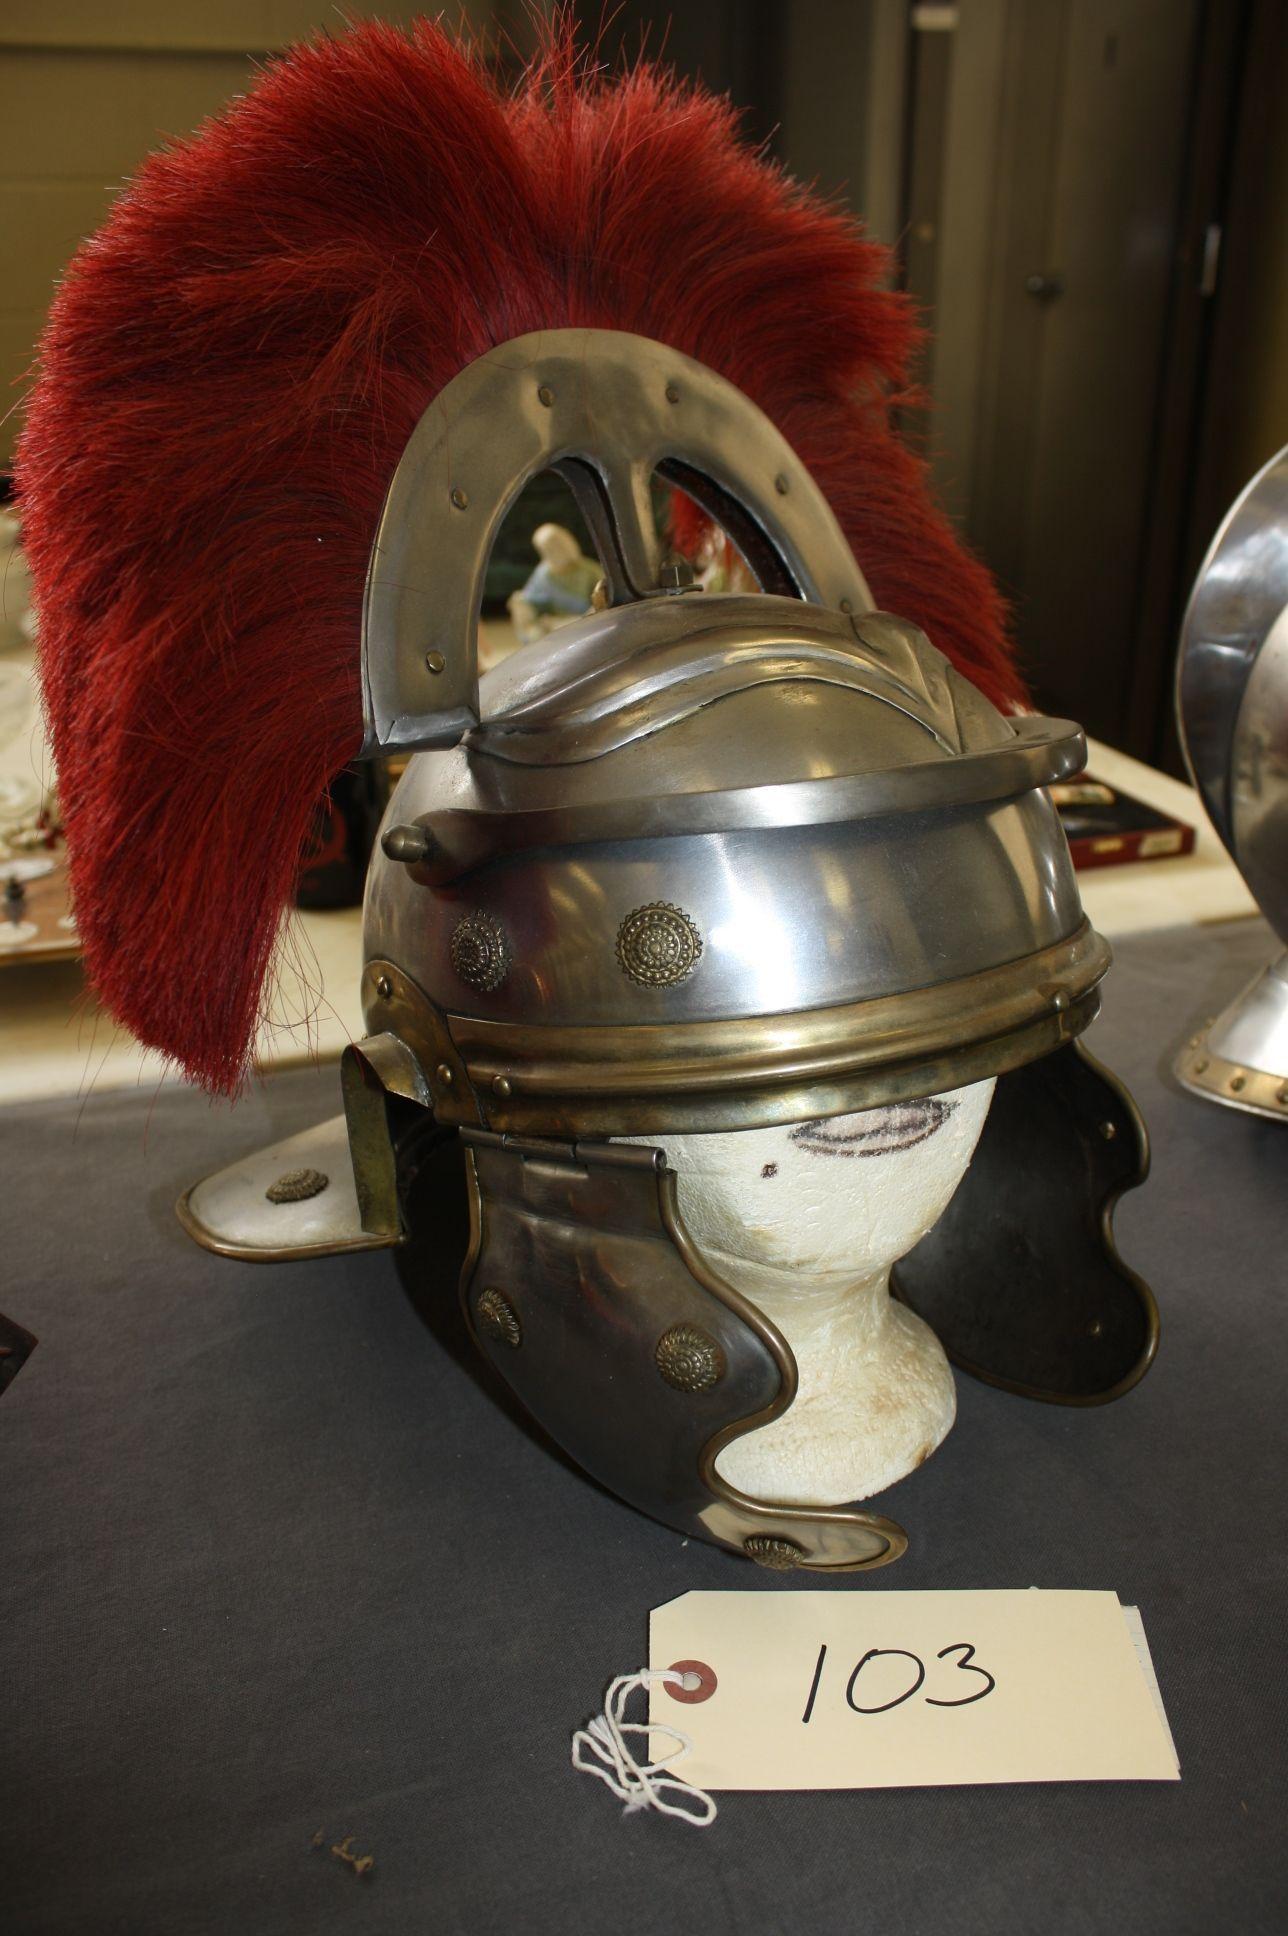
(296, 1186)
(498, 1319)
(480, 952)
(689, 1359)
(779, 1555)
(658, 945)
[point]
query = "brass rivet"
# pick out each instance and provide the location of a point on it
(1281, 1094)
(847, 605)
(1109, 1131)
(545, 395)
(384, 987)
(1195, 1040)
(444, 1076)
(781, 485)
(459, 499)
(1200, 1065)
(435, 662)
(1237, 1083)
(673, 393)
(1095, 1328)
(501, 1086)
(1060, 999)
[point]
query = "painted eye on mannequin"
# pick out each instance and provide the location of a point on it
(884, 1131)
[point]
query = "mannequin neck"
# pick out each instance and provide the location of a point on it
(802, 1304)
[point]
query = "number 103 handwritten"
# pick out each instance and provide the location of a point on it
(879, 1681)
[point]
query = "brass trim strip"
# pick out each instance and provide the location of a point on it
(703, 1057)
(624, 1113)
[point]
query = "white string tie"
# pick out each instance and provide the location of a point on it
(601, 1750)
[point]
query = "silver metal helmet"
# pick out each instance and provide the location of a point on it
(701, 863)
(1232, 704)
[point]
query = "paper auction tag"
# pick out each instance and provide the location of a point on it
(898, 1690)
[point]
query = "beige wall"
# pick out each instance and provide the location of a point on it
(88, 87)
(1258, 426)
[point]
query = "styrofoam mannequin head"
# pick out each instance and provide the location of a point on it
(807, 1221)
(845, 1194)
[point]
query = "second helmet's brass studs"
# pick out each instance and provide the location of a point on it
(435, 662)
(444, 1075)
(545, 395)
(501, 1086)
(384, 987)
(673, 393)
(459, 499)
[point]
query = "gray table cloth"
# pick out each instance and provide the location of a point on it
(279, 1558)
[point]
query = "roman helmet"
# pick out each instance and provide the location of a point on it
(695, 862)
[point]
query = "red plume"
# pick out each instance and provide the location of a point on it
(229, 375)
